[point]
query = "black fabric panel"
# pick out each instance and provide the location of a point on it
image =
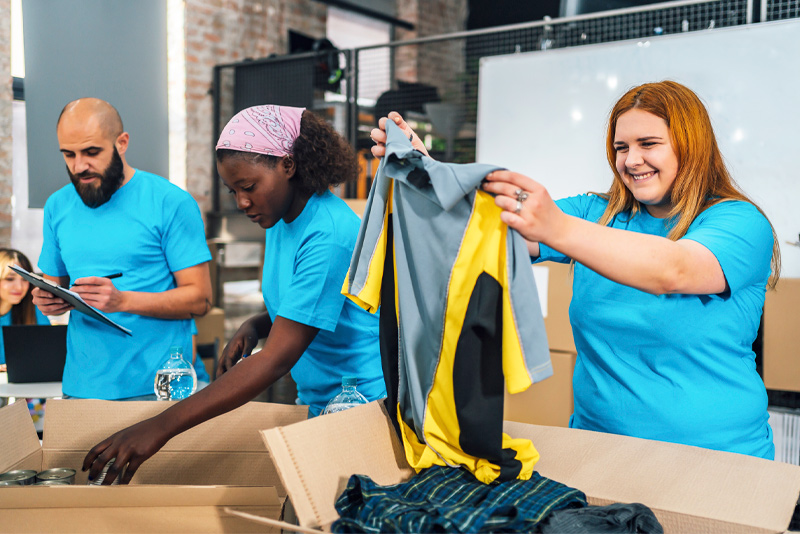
(478, 382)
(389, 335)
(419, 178)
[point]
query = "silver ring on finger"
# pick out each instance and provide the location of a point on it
(518, 209)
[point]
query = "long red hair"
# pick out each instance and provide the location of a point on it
(702, 179)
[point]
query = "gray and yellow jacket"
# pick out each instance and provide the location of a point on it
(460, 315)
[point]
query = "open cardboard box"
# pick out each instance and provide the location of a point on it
(548, 402)
(182, 488)
(688, 488)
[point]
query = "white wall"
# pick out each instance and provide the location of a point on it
(544, 113)
(26, 223)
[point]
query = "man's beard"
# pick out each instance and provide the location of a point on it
(111, 180)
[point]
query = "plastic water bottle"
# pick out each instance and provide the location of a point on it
(176, 379)
(347, 398)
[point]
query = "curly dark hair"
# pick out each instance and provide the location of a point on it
(322, 157)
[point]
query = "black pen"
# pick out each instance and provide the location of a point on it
(115, 275)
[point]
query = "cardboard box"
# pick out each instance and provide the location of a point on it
(781, 336)
(688, 488)
(548, 402)
(211, 327)
(358, 205)
(556, 304)
(182, 488)
(210, 339)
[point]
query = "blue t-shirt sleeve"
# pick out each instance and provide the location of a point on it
(184, 240)
(741, 239)
(50, 261)
(41, 318)
(315, 295)
(577, 206)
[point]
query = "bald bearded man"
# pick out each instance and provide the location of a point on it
(115, 218)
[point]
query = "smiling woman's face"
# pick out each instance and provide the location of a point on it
(13, 288)
(646, 160)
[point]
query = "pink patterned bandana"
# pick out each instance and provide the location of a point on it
(269, 130)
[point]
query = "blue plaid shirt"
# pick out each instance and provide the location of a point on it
(447, 499)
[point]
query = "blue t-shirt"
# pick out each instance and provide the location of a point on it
(677, 368)
(148, 230)
(305, 264)
(199, 366)
(5, 320)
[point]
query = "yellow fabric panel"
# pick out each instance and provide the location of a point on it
(518, 378)
(369, 297)
(482, 250)
(422, 455)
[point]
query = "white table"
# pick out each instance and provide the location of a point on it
(32, 390)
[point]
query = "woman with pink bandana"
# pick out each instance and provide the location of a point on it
(279, 163)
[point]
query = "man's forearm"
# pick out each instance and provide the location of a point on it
(179, 303)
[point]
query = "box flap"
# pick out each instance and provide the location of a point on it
(30, 497)
(315, 458)
(187, 468)
(682, 482)
(136, 509)
(283, 525)
(18, 439)
(79, 425)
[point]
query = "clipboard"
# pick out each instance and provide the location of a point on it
(69, 296)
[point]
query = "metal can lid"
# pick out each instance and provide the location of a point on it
(19, 474)
(52, 483)
(10, 483)
(57, 473)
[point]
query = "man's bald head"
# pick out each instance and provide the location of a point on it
(84, 110)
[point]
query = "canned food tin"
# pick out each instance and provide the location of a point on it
(102, 476)
(23, 476)
(52, 483)
(57, 474)
(9, 483)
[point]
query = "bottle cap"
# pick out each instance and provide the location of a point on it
(349, 381)
(176, 348)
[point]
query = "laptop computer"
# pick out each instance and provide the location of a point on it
(35, 353)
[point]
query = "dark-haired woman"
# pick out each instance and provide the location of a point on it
(16, 302)
(17, 308)
(279, 163)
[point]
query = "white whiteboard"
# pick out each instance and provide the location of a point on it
(544, 114)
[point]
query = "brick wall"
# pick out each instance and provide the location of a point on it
(6, 98)
(227, 31)
(437, 63)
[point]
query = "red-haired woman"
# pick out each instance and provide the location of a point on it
(671, 266)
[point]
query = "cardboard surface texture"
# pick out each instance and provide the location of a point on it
(182, 488)
(211, 326)
(781, 336)
(548, 402)
(559, 295)
(688, 488)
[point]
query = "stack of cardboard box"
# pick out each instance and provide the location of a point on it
(781, 336)
(549, 402)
